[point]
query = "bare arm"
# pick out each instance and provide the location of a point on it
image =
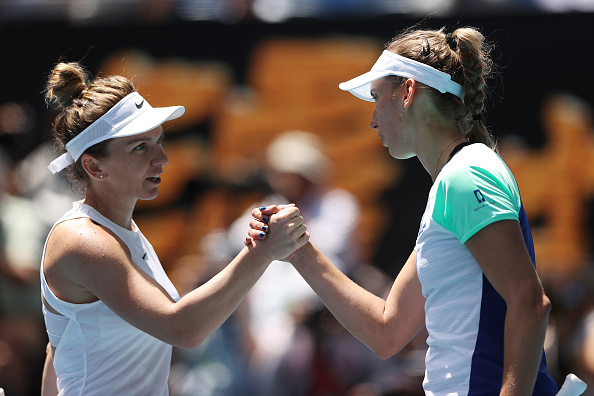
(385, 326)
(48, 380)
(100, 267)
(500, 251)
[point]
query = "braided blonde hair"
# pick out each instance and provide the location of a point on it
(463, 54)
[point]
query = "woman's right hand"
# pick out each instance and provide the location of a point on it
(279, 229)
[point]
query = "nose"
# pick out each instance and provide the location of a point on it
(160, 158)
(373, 123)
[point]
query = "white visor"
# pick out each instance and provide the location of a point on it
(132, 115)
(391, 64)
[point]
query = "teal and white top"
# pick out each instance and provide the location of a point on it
(98, 352)
(464, 315)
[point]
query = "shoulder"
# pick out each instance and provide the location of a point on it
(475, 189)
(78, 251)
(83, 238)
(477, 166)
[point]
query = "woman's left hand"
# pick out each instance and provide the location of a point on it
(259, 224)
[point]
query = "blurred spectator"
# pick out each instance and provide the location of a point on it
(21, 326)
(281, 300)
(30, 202)
(284, 340)
(584, 351)
(297, 172)
(572, 330)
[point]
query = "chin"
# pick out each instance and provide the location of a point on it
(149, 197)
(400, 156)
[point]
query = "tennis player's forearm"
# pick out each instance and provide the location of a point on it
(525, 330)
(204, 309)
(358, 310)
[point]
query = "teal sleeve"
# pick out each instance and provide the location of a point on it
(470, 198)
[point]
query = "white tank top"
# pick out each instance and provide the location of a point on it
(97, 352)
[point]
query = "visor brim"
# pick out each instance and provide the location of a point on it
(150, 119)
(360, 86)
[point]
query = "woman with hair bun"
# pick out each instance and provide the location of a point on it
(111, 313)
(471, 277)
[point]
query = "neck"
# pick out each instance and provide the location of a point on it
(111, 207)
(443, 156)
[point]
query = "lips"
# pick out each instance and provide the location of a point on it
(158, 171)
(381, 138)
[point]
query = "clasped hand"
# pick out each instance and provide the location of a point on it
(289, 231)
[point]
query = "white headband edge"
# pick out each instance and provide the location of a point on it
(77, 145)
(354, 85)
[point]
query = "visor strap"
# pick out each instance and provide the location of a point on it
(60, 163)
(101, 129)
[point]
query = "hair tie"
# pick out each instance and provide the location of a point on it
(451, 41)
(477, 117)
(425, 49)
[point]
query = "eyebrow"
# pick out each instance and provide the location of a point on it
(142, 138)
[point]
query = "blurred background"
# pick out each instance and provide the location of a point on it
(247, 71)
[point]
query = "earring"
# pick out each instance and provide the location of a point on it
(100, 176)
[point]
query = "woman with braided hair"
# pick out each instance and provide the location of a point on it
(471, 277)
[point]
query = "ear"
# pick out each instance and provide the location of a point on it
(410, 87)
(92, 166)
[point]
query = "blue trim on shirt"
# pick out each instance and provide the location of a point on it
(486, 372)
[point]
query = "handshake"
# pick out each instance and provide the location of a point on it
(289, 230)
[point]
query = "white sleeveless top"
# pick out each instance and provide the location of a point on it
(97, 352)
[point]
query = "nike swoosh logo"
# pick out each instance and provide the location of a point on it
(144, 256)
(139, 105)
